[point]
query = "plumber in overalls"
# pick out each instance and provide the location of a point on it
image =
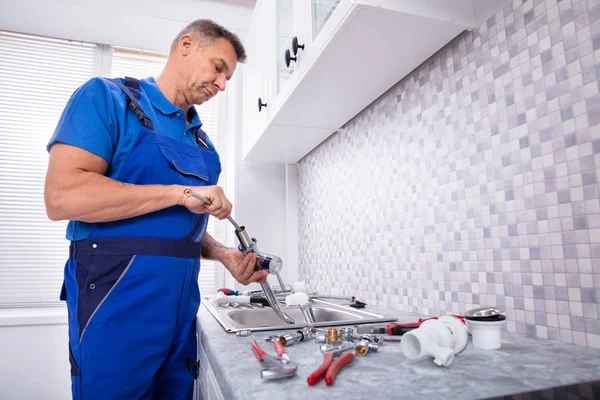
(122, 154)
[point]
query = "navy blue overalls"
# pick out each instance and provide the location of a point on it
(132, 286)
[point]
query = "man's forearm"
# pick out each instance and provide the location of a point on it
(211, 249)
(91, 197)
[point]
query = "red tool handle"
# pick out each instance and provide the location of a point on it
(320, 372)
(280, 350)
(461, 317)
(401, 329)
(336, 366)
(257, 350)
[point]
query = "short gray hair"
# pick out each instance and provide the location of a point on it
(206, 30)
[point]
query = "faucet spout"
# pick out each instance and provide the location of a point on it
(275, 305)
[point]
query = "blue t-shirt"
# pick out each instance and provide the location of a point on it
(97, 119)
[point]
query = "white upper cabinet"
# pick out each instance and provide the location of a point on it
(349, 53)
(260, 67)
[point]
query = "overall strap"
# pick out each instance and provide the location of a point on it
(201, 138)
(132, 91)
(196, 227)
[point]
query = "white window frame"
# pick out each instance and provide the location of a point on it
(56, 313)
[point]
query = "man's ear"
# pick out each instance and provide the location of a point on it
(186, 43)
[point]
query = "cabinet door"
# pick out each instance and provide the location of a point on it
(285, 30)
(321, 11)
(207, 384)
(260, 68)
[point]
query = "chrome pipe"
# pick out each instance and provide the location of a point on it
(337, 349)
(281, 284)
(307, 312)
(300, 336)
(274, 303)
(350, 299)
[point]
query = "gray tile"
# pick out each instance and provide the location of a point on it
(570, 252)
(564, 196)
(588, 178)
(562, 293)
(588, 295)
(577, 324)
(482, 174)
(570, 140)
(546, 56)
(509, 195)
(580, 222)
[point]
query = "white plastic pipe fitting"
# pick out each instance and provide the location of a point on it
(296, 299)
(440, 338)
(222, 299)
(486, 334)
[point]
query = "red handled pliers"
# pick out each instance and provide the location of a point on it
(329, 368)
(275, 367)
(401, 329)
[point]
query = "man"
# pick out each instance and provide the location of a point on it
(121, 156)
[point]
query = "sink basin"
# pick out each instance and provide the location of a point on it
(252, 318)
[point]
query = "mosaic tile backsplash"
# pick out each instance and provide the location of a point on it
(472, 182)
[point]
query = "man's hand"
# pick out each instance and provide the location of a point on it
(220, 206)
(241, 266)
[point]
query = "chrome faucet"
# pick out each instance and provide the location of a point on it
(275, 305)
(268, 262)
(263, 261)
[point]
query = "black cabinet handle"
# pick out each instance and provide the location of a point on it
(289, 58)
(261, 104)
(296, 46)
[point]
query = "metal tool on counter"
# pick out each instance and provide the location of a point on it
(333, 334)
(375, 338)
(274, 367)
(337, 347)
(329, 369)
(263, 261)
(397, 329)
(365, 345)
(301, 335)
(346, 333)
(389, 329)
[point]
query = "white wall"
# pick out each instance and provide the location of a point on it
(34, 359)
(140, 24)
(264, 196)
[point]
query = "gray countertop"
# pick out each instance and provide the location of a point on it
(522, 365)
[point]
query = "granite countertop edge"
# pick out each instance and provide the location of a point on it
(522, 365)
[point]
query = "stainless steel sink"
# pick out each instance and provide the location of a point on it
(253, 318)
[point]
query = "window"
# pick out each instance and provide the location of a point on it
(37, 77)
(137, 64)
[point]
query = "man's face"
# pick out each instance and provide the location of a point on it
(209, 68)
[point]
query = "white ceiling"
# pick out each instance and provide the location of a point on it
(143, 24)
(242, 3)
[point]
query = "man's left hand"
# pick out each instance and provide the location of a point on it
(241, 267)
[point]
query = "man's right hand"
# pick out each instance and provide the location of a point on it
(220, 206)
